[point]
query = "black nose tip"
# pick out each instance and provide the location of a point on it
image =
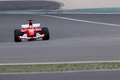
(30, 23)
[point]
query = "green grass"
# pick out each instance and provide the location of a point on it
(95, 10)
(58, 67)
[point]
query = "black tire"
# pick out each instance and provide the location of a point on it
(17, 33)
(46, 32)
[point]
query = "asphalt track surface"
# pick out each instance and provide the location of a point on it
(70, 40)
(106, 75)
(29, 5)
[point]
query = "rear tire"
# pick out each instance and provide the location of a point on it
(46, 32)
(17, 33)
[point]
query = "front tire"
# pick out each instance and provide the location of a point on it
(46, 32)
(17, 33)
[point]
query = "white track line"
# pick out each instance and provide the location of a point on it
(78, 20)
(76, 62)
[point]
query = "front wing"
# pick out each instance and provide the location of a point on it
(24, 37)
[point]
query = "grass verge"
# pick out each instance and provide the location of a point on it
(94, 10)
(58, 67)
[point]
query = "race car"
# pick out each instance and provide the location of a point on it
(31, 32)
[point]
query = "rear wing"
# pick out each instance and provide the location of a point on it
(27, 25)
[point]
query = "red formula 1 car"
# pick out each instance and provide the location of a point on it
(31, 32)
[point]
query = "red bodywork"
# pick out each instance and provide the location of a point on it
(31, 32)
